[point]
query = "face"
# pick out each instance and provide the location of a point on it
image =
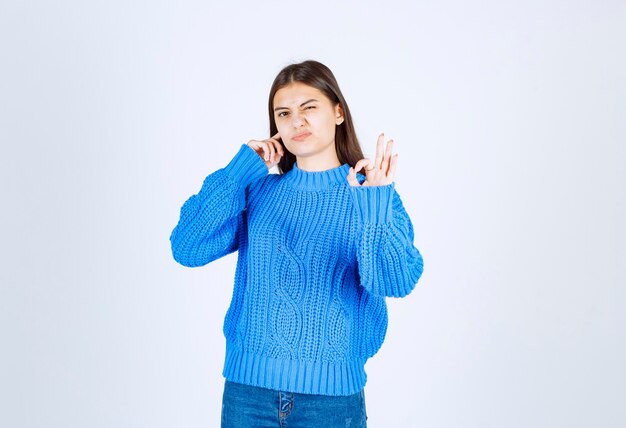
(306, 120)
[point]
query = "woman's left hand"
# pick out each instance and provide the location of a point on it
(379, 172)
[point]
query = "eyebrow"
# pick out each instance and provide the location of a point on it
(285, 108)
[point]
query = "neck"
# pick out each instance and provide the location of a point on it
(321, 161)
(314, 165)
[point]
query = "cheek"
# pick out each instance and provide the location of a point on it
(291, 149)
(326, 125)
(282, 128)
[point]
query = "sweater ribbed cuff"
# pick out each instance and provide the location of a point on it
(246, 166)
(373, 203)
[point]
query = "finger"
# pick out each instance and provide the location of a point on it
(279, 147)
(360, 164)
(272, 150)
(388, 155)
(266, 150)
(274, 140)
(380, 151)
(392, 166)
(352, 177)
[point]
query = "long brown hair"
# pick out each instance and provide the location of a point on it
(317, 75)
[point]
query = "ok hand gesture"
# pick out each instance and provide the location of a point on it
(379, 172)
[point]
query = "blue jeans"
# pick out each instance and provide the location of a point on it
(245, 406)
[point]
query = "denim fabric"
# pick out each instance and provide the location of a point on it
(245, 406)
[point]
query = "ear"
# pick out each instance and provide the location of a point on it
(339, 115)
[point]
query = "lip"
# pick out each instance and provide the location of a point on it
(302, 136)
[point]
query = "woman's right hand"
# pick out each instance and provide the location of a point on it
(270, 150)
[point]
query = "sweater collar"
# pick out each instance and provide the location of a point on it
(317, 180)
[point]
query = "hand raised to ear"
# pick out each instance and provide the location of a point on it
(380, 172)
(270, 150)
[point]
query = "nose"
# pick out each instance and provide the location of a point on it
(297, 120)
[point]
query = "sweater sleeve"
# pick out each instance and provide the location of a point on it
(211, 220)
(389, 264)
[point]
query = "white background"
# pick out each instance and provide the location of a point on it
(509, 121)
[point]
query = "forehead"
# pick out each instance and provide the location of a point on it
(297, 92)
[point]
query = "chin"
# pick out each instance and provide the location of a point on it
(302, 150)
(305, 153)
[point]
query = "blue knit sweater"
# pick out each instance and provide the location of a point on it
(317, 257)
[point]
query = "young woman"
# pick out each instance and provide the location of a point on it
(320, 248)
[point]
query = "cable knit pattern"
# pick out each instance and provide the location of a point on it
(317, 257)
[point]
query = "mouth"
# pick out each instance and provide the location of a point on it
(302, 136)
